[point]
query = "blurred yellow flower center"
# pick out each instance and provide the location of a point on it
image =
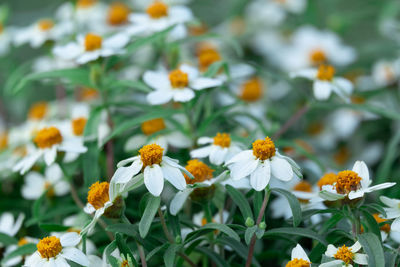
(303, 186)
(98, 194)
(207, 57)
(342, 155)
(157, 10)
(325, 73)
(344, 253)
(298, 263)
(327, 179)
(38, 111)
(50, 189)
(22, 241)
(87, 94)
(317, 56)
(85, 3)
(251, 90)
(47, 137)
(45, 24)
(78, 125)
(92, 42)
(315, 128)
(379, 220)
(118, 14)
(1, 28)
(125, 263)
(356, 99)
(151, 154)
(222, 140)
(200, 171)
(49, 247)
(178, 78)
(347, 181)
(3, 141)
(264, 149)
(152, 126)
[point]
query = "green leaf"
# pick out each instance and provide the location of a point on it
(27, 249)
(223, 228)
(124, 249)
(152, 206)
(53, 227)
(214, 68)
(7, 240)
(294, 204)
(169, 255)
(373, 247)
(371, 225)
(304, 232)
(238, 247)
(391, 154)
(36, 207)
(16, 76)
(147, 40)
(90, 166)
(127, 229)
(249, 233)
(329, 224)
(240, 201)
(108, 250)
(390, 259)
(213, 256)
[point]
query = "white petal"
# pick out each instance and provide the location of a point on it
(299, 253)
(281, 169)
(331, 250)
(126, 161)
(61, 262)
(335, 263)
(201, 152)
(50, 155)
(183, 95)
(153, 179)
(174, 176)
(306, 73)
(53, 173)
(391, 202)
(242, 169)
(135, 142)
(322, 90)
(344, 85)
(179, 200)
(75, 255)
(124, 174)
(395, 225)
(70, 239)
(159, 97)
(380, 187)
(203, 83)
(361, 259)
(217, 155)
(244, 155)
(362, 170)
(204, 140)
(259, 179)
(190, 71)
(157, 80)
(356, 194)
(116, 41)
(88, 56)
(356, 247)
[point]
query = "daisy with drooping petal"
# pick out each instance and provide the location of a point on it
(352, 184)
(219, 151)
(324, 82)
(49, 140)
(261, 163)
(345, 256)
(177, 85)
(53, 251)
(155, 167)
(91, 47)
(299, 258)
(52, 182)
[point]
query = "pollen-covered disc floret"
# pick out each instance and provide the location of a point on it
(327, 179)
(98, 194)
(151, 154)
(317, 56)
(222, 140)
(298, 263)
(38, 111)
(92, 42)
(152, 126)
(78, 125)
(251, 90)
(200, 171)
(118, 14)
(347, 181)
(49, 247)
(264, 149)
(45, 24)
(157, 10)
(325, 72)
(47, 137)
(178, 78)
(345, 254)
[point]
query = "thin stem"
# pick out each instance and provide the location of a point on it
(259, 218)
(164, 227)
(141, 254)
(187, 259)
(292, 120)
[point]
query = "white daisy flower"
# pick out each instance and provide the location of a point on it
(352, 184)
(324, 82)
(392, 211)
(260, 163)
(385, 72)
(219, 150)
(345, 256)
(156, 167)
(178, 85)
(49, 140)
(10, 226)
(53, 251)
(91, 47)
(299, 257)
(52, 182)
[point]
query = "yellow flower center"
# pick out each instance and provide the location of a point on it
(200, 171)
(98, 194)
(22, 241)
(125, 263)
(317, 57)
(3, 141)
(347, 181)
(222, 140)
(118, 14)
(86, 3)
(38, 111)
(178, 78)
(379, 220)
(87, 94)
(151, 154)
(208, 56)
(298, 263)
(264, 149)
(251, 90)
(48, 186)
(92, 42)
(157, 10)
(47, 137)
(78, 125)
(45, 24)
(327, 179)
(152, 126)
(49, 247)
(303, 186)
(325, 72)
(344, 253)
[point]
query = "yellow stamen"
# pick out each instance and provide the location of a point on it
(85, 3)
(222, 140)
(45, 24)
(327, 179)
(152, 126)
(78, 125)
(125, 263)
(47, 137)
(317, 57)
(92, 42)
(38, 111)
(22, 241)
(118, 14)
(344, 253)
(251, 90)
(151, 154)
(325, 72)
(264, 149)
(49, 247)
(178, 78)
(200, 171)
(98, 194)
(157, 10)
(347, 181)
(379, 220)
(298, 263)
(303, 186)
(3, 141)
(207, 56)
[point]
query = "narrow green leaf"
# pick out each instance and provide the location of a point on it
(249, 233)
(390, 156)
(53, 227)
(223, 228)
(108, 250)
(238, 247)
(7, 240)
(294, 204)
(169, 255)
(150, 211)
(370, 224)
(240, 201)
(304, 232)
(214, 257)
(90, 166)
(20, 251)
(373, 247)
